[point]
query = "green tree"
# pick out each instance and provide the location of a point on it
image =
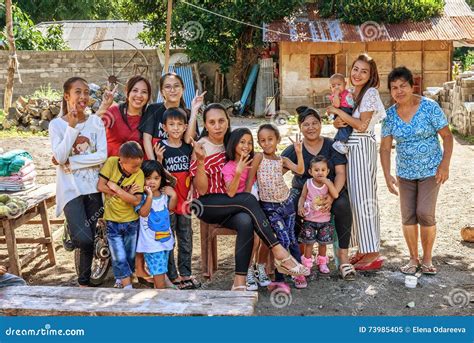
(29, 37)
(208, 37)
(47, 10)
(359, 11)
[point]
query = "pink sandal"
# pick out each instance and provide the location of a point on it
(322, 262)
(300, 282)
(307, 262)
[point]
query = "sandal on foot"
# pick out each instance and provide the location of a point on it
(356, 258)
(409, 268)
(347, 272)
(297, 270)
(322, 262)
(429, 270)
(190, 283)
(300, 282)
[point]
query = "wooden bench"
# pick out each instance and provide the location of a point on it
(209, 233)
(75, 301)
(39, 199)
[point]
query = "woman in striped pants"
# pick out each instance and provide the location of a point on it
(362, 162)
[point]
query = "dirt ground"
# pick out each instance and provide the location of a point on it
(372, 294)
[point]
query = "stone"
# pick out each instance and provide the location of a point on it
(46, 115)
(13, 114)
(44, 124)
(54, 110)
(34, 111)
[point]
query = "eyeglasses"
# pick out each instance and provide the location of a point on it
(169, 88)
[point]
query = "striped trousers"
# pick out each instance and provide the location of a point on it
(362, 187)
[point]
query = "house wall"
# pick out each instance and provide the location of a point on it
(40, 68)
(430, 59)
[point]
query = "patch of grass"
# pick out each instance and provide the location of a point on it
(2, 115)
(13, 132)
(46, 92)
(469, 139)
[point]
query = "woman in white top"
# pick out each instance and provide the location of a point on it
(362, 162)
(79, 148)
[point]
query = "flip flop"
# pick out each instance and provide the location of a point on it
(409, 268)
(429, 270)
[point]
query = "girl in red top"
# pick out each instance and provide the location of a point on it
(241, 212)
(122, 120)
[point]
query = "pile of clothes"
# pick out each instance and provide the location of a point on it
(17, 171)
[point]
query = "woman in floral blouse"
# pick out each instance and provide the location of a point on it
(421, 165)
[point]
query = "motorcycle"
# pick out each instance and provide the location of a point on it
(101, 261)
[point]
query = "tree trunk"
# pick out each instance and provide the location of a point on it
(7, 100)
(237, 77)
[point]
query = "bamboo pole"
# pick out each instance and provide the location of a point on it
(12, 65)
(168, 34)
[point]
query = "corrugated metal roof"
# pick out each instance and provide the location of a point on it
(457, 23)
(81, 33)
(456, 8)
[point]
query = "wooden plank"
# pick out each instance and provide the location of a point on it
(40, 240)
(51, 221)
(74, 301)
(43, 208)
(37, 250)
(13, 260)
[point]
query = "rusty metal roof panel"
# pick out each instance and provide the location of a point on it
(456, 24)
(465, 24)
(457, 8)
(440, 28)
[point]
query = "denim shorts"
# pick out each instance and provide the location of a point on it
(313, 232)
(122, 239)
(157, 262)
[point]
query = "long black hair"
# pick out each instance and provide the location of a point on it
(150, 166)
(374, 80)
(123, 107)
(234, 140)
(216, 106)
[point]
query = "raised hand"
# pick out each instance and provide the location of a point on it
(198, 150)
(244, 162)
(297, 143)
(72, 117)
(197, 102)
(148, 191)
(108, 97)
(159, 152)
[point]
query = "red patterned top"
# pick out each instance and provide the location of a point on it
(213, 164)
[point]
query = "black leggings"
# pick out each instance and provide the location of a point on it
(241, 213)
(81, 215)
(341, 209)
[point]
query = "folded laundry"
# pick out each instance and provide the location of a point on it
(12, 161)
